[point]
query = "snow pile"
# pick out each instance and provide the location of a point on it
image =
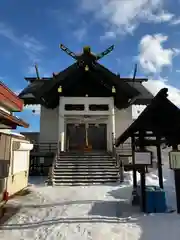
(84, 213)
(153, 179)
(90, 212)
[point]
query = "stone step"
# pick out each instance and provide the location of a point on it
(82, 179)
(83, 170)
(84, 153)
(84, 158)
(88, 174)
(62, 166)
(84, 182)
(99, 166)
(85, 179)
(86, 163)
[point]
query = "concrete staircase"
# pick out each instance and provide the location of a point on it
(84, 168)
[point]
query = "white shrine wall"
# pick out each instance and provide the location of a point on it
(123, 119)
(49, 119)
(53, 122)
(106, 117)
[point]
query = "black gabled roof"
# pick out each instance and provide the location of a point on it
(110, 77)
(161, 117)
(29, 94)
(138, 79)
(44, 91)
(117, 81)
(32, 79)
(144, 96)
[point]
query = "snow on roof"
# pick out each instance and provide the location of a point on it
(10, 132)
(137, 110)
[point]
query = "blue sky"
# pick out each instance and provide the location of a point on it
(144, 31)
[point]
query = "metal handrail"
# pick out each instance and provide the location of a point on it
(114, 153)
(119, 162)
(41, 146)
(125, 147)
(57, 155)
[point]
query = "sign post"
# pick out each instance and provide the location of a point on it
(143, 159)
(174, 163)
(174, 160)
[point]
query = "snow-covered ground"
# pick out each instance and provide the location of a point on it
(90, 212)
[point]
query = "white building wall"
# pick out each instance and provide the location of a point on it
(52, 122)
(64, 116)
(49, 120)
(123, 119)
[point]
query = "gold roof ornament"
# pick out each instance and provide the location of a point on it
(60, 89)
(87, 49)
(113, 89)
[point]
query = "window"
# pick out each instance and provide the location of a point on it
(99, 107)
(74, 107)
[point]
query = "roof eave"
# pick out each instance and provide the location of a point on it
(127, 133)
(12, 120)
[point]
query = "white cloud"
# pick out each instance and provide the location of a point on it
(80, 33)
(175, 21)
(162, 17)
(108, 35)
(31, 46)
(152, 55)
(124, 16)
(154, 86)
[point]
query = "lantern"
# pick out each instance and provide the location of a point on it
(60, 89)
(113, 89)
(86, 68)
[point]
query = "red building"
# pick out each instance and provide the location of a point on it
(9, 103)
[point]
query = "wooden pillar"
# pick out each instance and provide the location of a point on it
(121, 170)
(143, 174)
(133, 162)
(177, 181)
(159, 162)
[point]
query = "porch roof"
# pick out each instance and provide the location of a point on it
(11, 121)
(161, 117)
(9, 99)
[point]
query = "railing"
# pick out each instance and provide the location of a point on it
(45, 147)
(118, 153)
(117, 158)
(42, 158)
(125, 149)
(51, 170)
(113, 146)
